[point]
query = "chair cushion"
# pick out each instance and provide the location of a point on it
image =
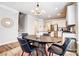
(56, 49)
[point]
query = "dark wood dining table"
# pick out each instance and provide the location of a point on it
(43, 40)
(46, 39)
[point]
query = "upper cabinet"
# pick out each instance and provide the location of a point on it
(71, 15)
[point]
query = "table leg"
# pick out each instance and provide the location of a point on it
(46, 50)
(37, 51)
(45, 47)
(51, 54)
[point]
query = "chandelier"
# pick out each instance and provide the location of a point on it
(37, 10)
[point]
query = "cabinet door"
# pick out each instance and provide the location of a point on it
(71, 15)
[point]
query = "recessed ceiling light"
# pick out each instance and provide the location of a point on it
(56, 8)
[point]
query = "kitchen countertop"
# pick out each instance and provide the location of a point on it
(68, 32)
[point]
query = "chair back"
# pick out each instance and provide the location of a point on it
(72, 45)
(24, 34)
(24, 45)
(66, 44)
(67, 41)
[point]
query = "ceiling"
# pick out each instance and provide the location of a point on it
(53, 9)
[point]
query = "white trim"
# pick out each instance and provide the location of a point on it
(9, 8)
(8, 42)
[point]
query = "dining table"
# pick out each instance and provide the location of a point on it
(46, 39)
(43, 40)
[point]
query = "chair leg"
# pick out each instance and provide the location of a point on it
(50, 53)
(22, 53)
(25, 54)
(30, 54)
(46, 50)
(37, 51)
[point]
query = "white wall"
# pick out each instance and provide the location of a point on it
(29, 24)
(40, 24)
(33, 24)
(8, 35)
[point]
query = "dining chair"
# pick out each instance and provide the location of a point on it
(59, 49)
(24, 34)
(35, 44)
(25, 46)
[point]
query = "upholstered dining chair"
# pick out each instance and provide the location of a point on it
(26, 47)
(24, 34)
(59, 50)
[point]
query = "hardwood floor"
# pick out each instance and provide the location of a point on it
(13, 49)
(8, 47)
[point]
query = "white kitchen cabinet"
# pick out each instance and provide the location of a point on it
(71, 15)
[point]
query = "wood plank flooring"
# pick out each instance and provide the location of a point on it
(8, 47)
(12, 49)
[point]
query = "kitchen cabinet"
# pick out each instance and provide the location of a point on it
(71, 15)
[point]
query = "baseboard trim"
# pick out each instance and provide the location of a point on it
(8, 42)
